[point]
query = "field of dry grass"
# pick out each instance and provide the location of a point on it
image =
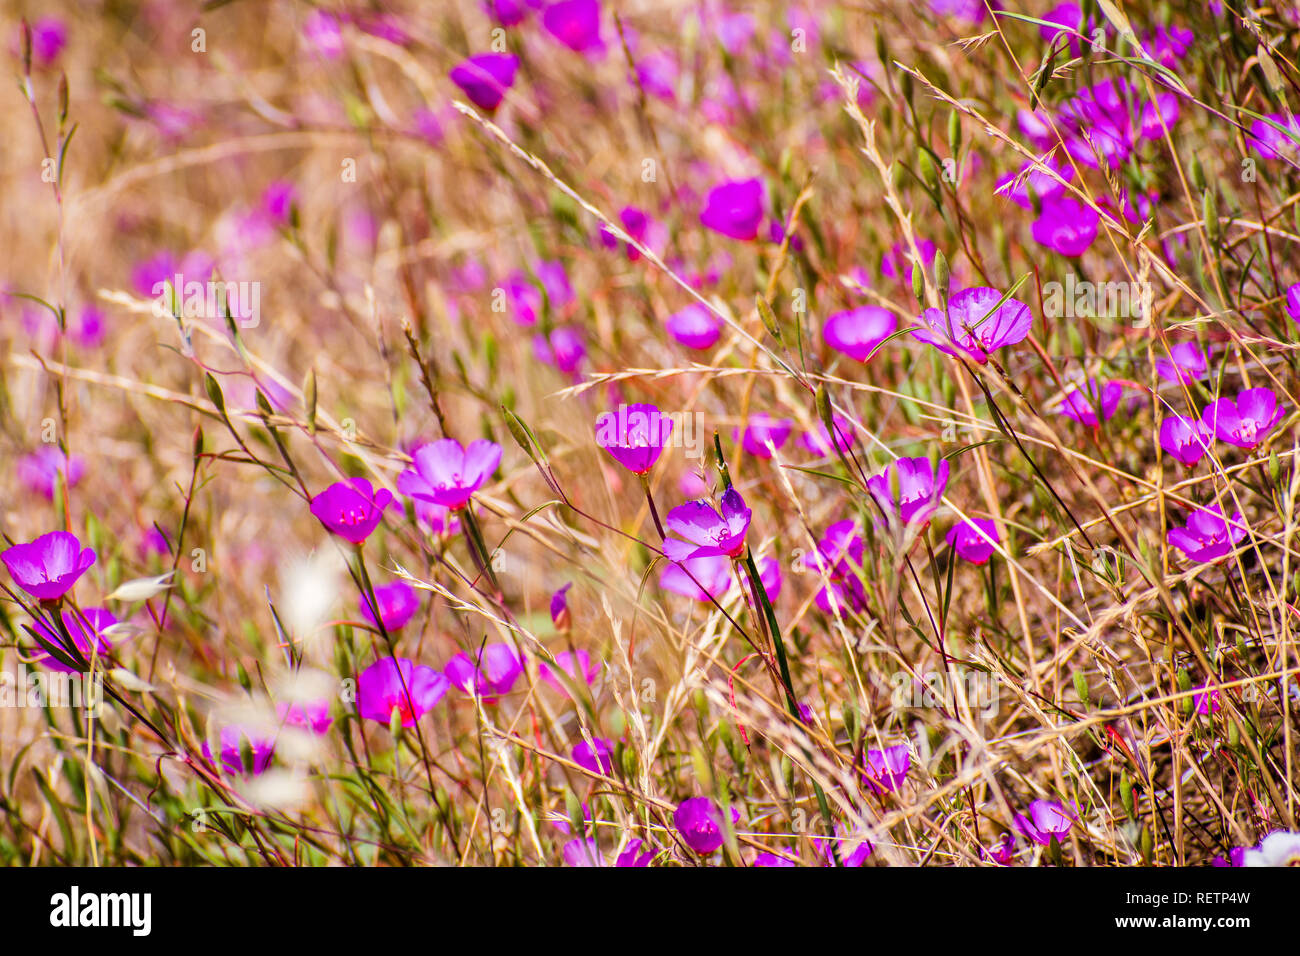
(975, 330)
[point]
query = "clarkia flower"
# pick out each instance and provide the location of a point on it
(975, 325)
(41, 469)
(1208, 536)
(1046, 821)
(1082, 405)
(634, 436)
(564, 349)
(734, 209)
(1293, 302)
(495, 673)
(1186, 363)
(1275, 136)
(769, 575)
(857, 332)
(1063, 18)
(713, 532)
(1066, 226)
(576, 665)
(397, 602)
(447, 474)
(399, 685)
(1206, 700)
(1168, 45)
(486, 77)
(586, 852)
(919, 490)
(887, 769)
(759, 431)
(48, 567)
(595, 759)
(699, 824)
(1115, 116)
(897, 263)
(771, 859)
(233, 739)
(1031, 181)
(713, 574)
(1279, 848)
(1004, 850)
(524, 298)
(839, 552)
(1185, 439)
(851, 851)
(510, 13)
(1236, 857)
(49, 35)
(969, 543)
(694, 327)
(89, 642)
(658, 73)
(351, 509)
(312, 715)
(441, 521)
(637, 224)
(1246, 421)
(967, 12)
(819, 441)
(576, 24)
(560, 609)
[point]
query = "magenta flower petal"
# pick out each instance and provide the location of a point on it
(90, 642)
(898, 261)
(1186, 363)
(975, 325)
(48, 567)
(577, 666)
(1208, 536)
(313, 716)
(694, 327)
(486, 78)
(920, 489)
(819, 441)
(635, 435)
(494, 674)
(351, 509)
(576, 24)
(969, 544)
(858, 331)
(397, 602)
(734, 209)
(1066, 226)
(595, 759)
(714, 533)
(886, 769)
(699, 824)
(448, 475)
(383, 688)
(1184, 439)
(41, 470)
(713, 572)
(1246, 421)
(761, 429)
(1082, 405)
(261, 746)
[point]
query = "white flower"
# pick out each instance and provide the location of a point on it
(1280, 848)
